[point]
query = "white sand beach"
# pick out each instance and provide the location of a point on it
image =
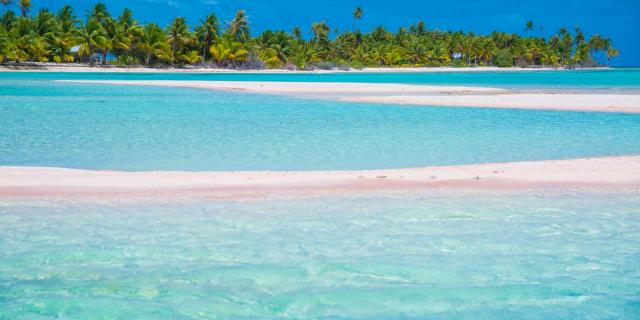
(426, 95)
(621, 171)
(301, 88)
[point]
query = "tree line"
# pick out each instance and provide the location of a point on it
(101, 38)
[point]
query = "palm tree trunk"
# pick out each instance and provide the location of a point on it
(173, 53)
(204, 49)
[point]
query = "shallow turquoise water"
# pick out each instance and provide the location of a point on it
(44, 123)
(551, 254)
(618, 78)
(557, 254)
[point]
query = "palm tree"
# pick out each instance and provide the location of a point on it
(303, 54)
(219, 52)
(191, 57)
(360, 57)
(99, 12)
(67, 19)
(297, 34)
(237, 52)
(66, 31)
(612, 53)
(486, 50)
(380, 34)
(357, 15)
(7, 20)
(566, 45)
(581, 55)
(5, 45)
(417, 52)
(101, 16)
(127, 35)
(114, 41)
(278, 42)
(91, 37)
(320, 34)
(126, 19)
(152, 42)
(24, 40)
(440, 54)
(270, 57)
(521, 52)
(227, 50)
(528, 26)
(25, 7)
(238, 28)
(597, 44)
(121, 43)
(207, 33)
(178, 36)
(421, 29)
(579, 36)
(47, 36)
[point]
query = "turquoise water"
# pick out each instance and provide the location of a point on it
(560, 254)
(44, 123)
(618, 78)
(448, 254)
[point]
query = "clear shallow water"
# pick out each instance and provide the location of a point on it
(619, 78)
(44, 123)
(562, 254)
(484, 255)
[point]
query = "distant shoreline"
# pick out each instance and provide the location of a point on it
(52, 67)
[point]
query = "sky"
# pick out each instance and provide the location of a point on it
(617, 19)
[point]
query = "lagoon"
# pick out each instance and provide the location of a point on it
(89, 126)
(549, 251)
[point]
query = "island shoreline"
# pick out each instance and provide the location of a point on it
(84, 68)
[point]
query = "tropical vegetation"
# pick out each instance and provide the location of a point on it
(101, 38)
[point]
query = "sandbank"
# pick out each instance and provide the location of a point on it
(624, 103)
(623, 171)
(405, 94)
(301, 88)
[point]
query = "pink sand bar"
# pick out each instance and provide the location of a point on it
(607, 171)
